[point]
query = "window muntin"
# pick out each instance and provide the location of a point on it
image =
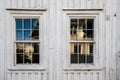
(82, 40)
(27, 41)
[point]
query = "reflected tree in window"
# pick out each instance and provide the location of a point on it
(27, 41)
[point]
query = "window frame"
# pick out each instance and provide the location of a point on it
(42, 61)
(66, 39)
(27, 41)
(83, 41)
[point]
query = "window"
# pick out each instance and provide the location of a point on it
(27, 45)
(82, 40)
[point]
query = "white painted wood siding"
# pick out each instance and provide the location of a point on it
(27, 4)
(84, 75)
(26, 75)
(83, 4)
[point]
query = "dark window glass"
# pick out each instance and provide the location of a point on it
(19, 58)
(74, 58)
(35, 58)
(90, 23)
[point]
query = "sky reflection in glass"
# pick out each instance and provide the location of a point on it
(25, 28)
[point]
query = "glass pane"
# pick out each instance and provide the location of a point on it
(27, 35)
(18, 23)
(19, 59)
(74, 58)
(19, 34)
(90, 23)
(19, 47)
(82, 52)
(89, 35)
(73, 28)
(90, 58)
(82, 24)
(27, 58)
(26, 23)
(35, 58)
(35, 47)
(35, 23)
(28, 48)
(81, 58)
(35, 34)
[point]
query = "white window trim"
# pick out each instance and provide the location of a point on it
(66, 39)
(11, 58)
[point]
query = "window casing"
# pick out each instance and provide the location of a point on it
(71, 40)
(27, 44)
(82, 40)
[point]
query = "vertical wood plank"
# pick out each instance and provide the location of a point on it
(65, 3)
(69, 76)
(13, 4)
(39, 76)
(26, 76)
(83, 4)
(89, 4)
(45, 76)
(94, 76)
(95, 4)
(70, 4)
(32, 3)
(19, 3)
(76, 4)
(101, 4)
(88, 76)
(19, 74)
(8, 76)
(76, 76)
(13, 76)
(23, 76)
(26, 4)
(40, 3)
(82, 76)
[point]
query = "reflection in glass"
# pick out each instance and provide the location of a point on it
(26, 34)
(35, 23)
(29, 52)
(27, 30)
(18, 23)
(82, 24)
(19, 34)
(82, 30)
(35, 29)
(81, 52)
(36, 47)
(19, 47)
(26, 23)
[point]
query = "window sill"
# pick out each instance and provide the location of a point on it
(84, 69)
(27, 69)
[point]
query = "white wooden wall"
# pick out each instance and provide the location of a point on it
(84, 75)
(83, 4)
(27, 4)
(26, 75)
(54, 33)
